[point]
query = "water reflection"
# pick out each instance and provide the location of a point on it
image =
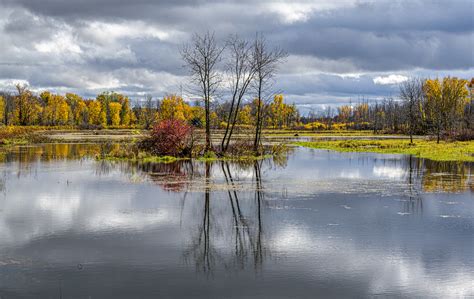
(240, 223)
(317, 223)
(447, 176)
(431, 176)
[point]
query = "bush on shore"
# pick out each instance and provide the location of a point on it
(170, 138)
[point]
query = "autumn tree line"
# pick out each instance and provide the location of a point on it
(439, 107)
(48, 109)
(111, 109)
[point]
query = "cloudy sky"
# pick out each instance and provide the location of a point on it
(339, 50)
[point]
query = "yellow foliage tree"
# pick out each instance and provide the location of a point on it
(245, 115)
(95, 111)
(173, 107)
(445, 102)
(81, 113)
(277, 111)
(115, 109)
(125, 113)
(56, 109)
(2, 109)
(76, 106)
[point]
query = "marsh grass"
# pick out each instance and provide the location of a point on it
(444, 151)
(11, 135)
(135, 153)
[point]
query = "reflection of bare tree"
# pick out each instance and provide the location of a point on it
(415, 202)
(206, 257)
(201, 249)
(240, 225)
(413, 205)
(258, 253)
(245, 232)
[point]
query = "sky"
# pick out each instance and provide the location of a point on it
(339, 51)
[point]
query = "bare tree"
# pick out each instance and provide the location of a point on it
(329, 116)
(202, 57)
(241, 71)
(148, 112)
(411, 92)
(9, 102)
(266, 63)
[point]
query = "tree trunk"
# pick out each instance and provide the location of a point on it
(438, 133)
(208, 127)
(257, 127)
(259, 116)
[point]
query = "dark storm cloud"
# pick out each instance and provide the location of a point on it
(336, 48)
(386, 36)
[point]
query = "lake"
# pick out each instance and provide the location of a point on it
(314, 223)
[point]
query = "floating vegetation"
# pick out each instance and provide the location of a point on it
(444, 151)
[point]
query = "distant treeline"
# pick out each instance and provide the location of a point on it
(24, 108)
(432, 106)
(438, 107)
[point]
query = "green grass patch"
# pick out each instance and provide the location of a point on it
(234, 158)
(150, 159)
(116, 152)
(444, 151)
(171, 159)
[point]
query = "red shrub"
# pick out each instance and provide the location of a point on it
(170, 137)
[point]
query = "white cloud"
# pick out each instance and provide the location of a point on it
(301, 11)
(62, 43)
(306, 64)
(390, 79)
(10, 83)
(106, 33)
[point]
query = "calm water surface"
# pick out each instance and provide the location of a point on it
(318, 223)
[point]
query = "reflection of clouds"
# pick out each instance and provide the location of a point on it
(88, 204)
(48, 215)
(59, 208)
(291, 238)
(123, 219)
(410, 273)
(384, 271)
(350, 174)
(322, 165)
(391, 172)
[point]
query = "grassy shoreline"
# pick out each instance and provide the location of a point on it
(444, 151)
(171, 159)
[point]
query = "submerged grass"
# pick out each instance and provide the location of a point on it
(149, 159)
(132, 153)
(444, 151)
(171, 159)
